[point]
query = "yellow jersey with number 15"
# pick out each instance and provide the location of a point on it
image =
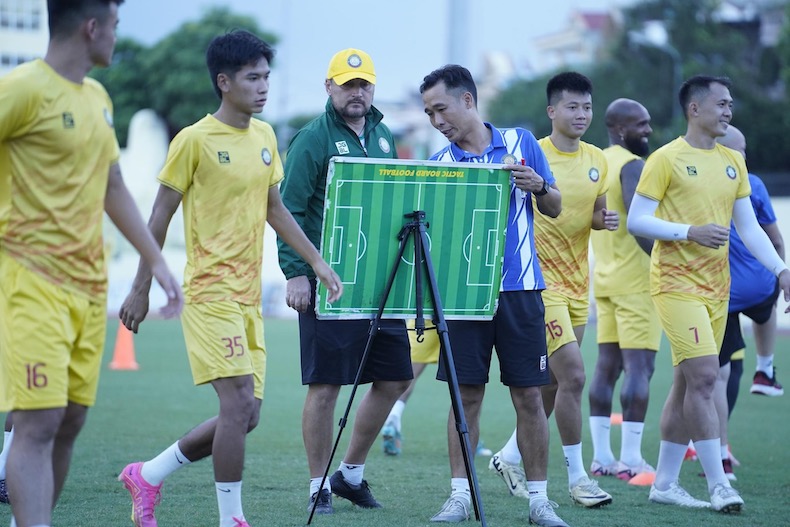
(563, 242)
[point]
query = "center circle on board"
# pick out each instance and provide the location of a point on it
(408, 253)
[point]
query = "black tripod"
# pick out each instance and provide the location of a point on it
(416, 227)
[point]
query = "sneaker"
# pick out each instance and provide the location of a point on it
(391, 439)
(3, 492)
(481, 450)
(324, 497)
(598, 469)
(765, 385)
(145, 497)
(359, 495)
(587, 492)
(725, 499)
(240, 523)
(676, 495)
(543, 514)
(454, 510)
(512, 475)
(626, 472)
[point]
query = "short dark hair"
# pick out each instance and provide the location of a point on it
(66, 15)
(697, 87)
(570, 81)
(232, 51)
(456, 78)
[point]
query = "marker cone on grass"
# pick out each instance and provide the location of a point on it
(123, 356)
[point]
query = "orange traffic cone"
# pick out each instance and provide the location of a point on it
(616, 419)
(123, 357)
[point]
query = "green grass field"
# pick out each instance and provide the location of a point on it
(139, 413)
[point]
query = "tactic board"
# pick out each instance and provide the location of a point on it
(466, 209)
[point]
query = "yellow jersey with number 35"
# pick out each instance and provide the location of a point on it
(696, 187)
(224, 174)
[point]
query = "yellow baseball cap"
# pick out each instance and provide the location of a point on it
(351, 64)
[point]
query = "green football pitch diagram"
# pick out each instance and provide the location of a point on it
(465, 207)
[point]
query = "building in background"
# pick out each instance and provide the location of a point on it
(23, 32)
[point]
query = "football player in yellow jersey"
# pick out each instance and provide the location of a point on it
(689, 191)
(562, 245)
(5, 203)
(629, 333)
(225, 168)
(63, 158)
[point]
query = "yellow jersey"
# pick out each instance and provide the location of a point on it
(60, 144)
(621, 266)
(563, 242)
(224, 174)
(696, 187)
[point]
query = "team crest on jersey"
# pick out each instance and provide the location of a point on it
(354, 61)
(266, 156)
(594, 175)
(508, 159)
(68, 120)
(108, 117)
(692, 171)
(223, 157)
(384, 145)
(342, 147)
(731, 172)
(543, 362)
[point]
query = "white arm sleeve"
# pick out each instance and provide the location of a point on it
(642, 222)
(754, 237)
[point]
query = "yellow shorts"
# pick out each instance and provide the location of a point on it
(51, 342)
(629, 320)
(225, 339)
(427, 351)
(693, 324)
(562, 315)
(738, 355)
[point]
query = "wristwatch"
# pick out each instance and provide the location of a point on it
(544, 190)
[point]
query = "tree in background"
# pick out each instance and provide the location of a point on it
(701, 41)
(171, 76)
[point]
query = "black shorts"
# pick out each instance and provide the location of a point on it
(518, 333)
(332, 349)
(733, 338)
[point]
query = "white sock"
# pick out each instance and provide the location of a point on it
(510, 453)
(394, 417)
(709, 455)
(7, 438)
(537, 492)
(600, 430)
(13, 522)
(229, 501)
(316, 482)
(352, 473)
(725, 452)
(670, 459)
(631, 444)
(460, 489)
(574, 462)
(170, 460)
(766, 365)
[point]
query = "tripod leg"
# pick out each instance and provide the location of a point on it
(374, 328)
(452, 380)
